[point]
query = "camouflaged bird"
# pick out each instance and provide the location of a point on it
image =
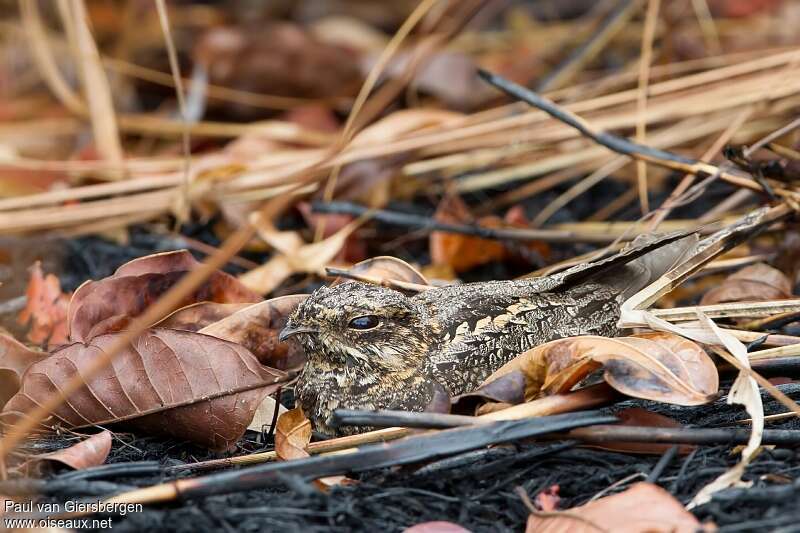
(371, 347)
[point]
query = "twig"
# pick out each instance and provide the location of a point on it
(730, 310)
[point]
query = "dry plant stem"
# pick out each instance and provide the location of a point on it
(792, 350)
(664, 211)
(619, 144)
(730, 310)
(645, 58)
(369, 83)
(591, 47)
(707, 26)
(181, 211)
(156, 312)
(96, 88)
(772, 389)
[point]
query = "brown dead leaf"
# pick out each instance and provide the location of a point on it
(754, 283)
(643, 507)
(463, 252)
(638, 417)
(108, 305)
(257, 327)
(168, 382)
(292, 436)
(46, 309)
(195, 317)
(15, 358)
(292, 258)
(354, 249)
(655, 366)
(385, 267)
(89, 452)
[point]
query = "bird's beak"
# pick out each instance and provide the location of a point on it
(290, 330)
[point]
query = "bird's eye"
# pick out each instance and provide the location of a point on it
(364, 322)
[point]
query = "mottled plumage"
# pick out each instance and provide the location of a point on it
(371, 347)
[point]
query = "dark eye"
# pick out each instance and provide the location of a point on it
(364, 322)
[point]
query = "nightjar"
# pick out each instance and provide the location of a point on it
(371, 347)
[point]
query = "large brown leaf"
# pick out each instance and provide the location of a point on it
(643, 507)
(655, 366)
(755, 283)
(257, 327)
(195, 317)
(176, 383)
(108, 305)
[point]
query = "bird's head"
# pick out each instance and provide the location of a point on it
(361, 328)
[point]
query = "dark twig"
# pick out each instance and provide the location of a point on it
(619, 144)
(387, 419)
(662, 464)
(429, 224)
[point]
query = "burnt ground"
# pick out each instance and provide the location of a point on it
(474, 489)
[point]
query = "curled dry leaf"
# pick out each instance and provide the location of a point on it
(45, 309)
(89, 452)
(643, 507)
(168, 382)
(257, 326)
(293, 259)
(197, 316)
(755, 283)
(386, 268)
(655, 366)
(15, 358)
(292, 436)
(108, 305)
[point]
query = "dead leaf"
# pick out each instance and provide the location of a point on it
(463, 252)
(265, 412)
(168, 382)
(15, 358)
(354, 249)
(89, 452)
(754, 283)
(292, 436)
(257, 327)
(108, 305)
(638, 417)
(195, 317)
(643, 507)
(655, 366)
(46, 309)
(385, 267)
(292, 259)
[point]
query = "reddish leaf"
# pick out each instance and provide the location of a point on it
(90, 452)
(643, 507)
(755, 283)
(257, 327)
(15, 358)
(161, 385)
(108, 305)
(46, 309)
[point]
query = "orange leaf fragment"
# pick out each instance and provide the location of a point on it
(46, 309)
